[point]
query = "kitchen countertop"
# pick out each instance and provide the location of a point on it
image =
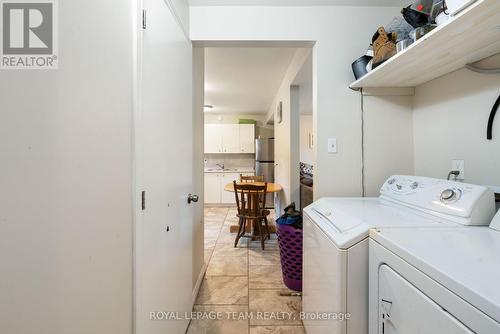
(230, 170)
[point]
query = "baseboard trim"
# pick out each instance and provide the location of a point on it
(198, 283)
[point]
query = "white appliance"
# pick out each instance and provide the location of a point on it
(336, 241)
(442, 281)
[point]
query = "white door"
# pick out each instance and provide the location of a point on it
(247, 138)
(212, 188)
(213, 138)
(165, 173)
(231, 138)
(424, 316)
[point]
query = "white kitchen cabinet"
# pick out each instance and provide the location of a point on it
(213, 138)
(227, 197)
(247, 138)
(229, 138)
(214, 187)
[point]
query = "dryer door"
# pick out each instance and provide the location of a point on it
(403, 309)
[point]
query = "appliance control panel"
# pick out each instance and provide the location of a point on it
(495, 223)
(468, 204)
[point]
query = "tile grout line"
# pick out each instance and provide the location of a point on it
(269, 265)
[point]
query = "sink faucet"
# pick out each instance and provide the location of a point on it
(221, 166)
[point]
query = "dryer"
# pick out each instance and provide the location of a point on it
(435, 281)
(335, 277)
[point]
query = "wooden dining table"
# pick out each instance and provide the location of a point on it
(271, 189)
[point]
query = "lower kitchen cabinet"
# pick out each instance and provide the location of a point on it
(214, 187)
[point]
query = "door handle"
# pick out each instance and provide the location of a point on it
(192, 198)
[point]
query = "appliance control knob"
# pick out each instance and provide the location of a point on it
(414, 185)
(448, 196)
(391, 181)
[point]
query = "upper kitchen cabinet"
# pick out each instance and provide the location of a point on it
(247, 138)
(229, 138)
(213, 138)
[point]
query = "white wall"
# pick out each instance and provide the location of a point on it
(306, 128)
(336, 112)
(294, 164)
(450, 118)
(388, 139)
(180, 10)
(66, 180)
(286, 133)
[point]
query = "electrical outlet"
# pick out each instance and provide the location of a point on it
(460, 166)
(332, 145)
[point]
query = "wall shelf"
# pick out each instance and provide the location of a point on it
(471, 36)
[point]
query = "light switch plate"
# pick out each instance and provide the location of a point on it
(332, 145)
(460, 166)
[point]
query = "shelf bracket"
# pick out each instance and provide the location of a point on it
(474, 68)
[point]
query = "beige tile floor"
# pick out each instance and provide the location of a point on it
(242, 283)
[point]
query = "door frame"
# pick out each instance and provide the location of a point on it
(137, 161)
(137, 138)
(137, 151)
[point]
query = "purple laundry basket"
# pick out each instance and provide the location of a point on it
(290, 242)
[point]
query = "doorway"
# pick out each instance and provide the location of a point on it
(237, 104)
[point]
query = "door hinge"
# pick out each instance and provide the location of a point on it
(144, 19)
(143, 200)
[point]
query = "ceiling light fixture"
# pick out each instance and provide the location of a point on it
(207, 108)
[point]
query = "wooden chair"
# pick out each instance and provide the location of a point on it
(250, 199)
(251, 178)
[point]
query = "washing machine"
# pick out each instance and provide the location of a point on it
(336, 242)
(435, 281)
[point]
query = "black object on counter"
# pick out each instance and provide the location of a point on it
(359, 66)
(489, 131)
(414, 18)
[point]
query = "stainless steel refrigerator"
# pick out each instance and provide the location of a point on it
(264, 163)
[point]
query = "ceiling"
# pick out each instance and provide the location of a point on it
(244, 80)
(397, 3)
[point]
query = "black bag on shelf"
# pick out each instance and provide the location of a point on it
(414, 18)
